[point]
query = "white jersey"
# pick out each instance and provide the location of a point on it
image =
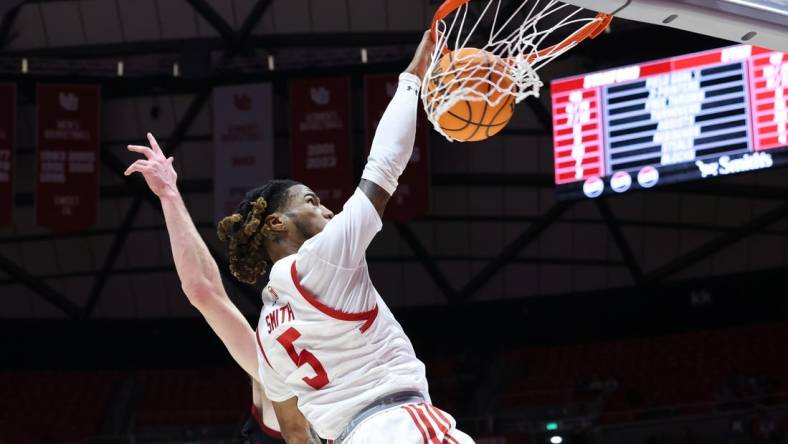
(325, 335)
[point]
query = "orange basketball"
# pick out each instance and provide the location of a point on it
(477, 70)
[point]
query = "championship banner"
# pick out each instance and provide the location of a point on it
(67, 144)
(412, 198)
(243, 143)
(7, 147)
(320, 138)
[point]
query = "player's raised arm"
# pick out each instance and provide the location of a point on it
(198, 272)
(344, 240)
(396, 133)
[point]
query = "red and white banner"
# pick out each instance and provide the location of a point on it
(243, 143)
(412, 198)
(7, 148)
(320, 138)
(67, 149)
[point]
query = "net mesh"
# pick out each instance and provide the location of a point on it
(483, 53)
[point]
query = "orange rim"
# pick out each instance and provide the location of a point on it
(589, 30)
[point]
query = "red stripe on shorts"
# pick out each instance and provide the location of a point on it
(444, 428)
(448, 439)
(428, 425)
(416, 421)
(440, 414)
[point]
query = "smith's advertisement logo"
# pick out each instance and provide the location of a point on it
(730, 165)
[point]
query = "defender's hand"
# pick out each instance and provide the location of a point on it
(421, 60)
(155, 168)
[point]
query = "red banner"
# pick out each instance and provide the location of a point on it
(412, 198)
(320, 138)
(67, 156)
(7, 148)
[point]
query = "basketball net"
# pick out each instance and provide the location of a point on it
(517, 45)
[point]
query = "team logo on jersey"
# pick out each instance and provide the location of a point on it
(274, 295)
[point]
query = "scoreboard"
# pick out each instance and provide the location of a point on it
(691, 117)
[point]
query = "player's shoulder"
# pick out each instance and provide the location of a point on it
(281, 269)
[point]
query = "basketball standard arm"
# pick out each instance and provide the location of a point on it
(396, 133)
(198, 272)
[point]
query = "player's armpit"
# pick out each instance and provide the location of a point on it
(376, 194)
(294, 426)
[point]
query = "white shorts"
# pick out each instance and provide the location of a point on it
(418, 423)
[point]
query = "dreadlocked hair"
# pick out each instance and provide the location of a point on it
(244, 231)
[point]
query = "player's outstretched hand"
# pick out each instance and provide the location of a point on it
(421, 60)
(155, 168)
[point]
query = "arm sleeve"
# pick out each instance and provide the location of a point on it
(344, 241)
(331, 263)
(395, 136)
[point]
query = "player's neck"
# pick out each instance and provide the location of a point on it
(283, 247)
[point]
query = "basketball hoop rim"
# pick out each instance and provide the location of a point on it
(589, 30)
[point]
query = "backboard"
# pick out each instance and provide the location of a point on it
(756, 22)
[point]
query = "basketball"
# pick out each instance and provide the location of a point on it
(479, 74)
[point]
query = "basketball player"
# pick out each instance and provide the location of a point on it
(327, 344)
(262, 427)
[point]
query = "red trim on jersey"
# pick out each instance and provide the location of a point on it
(260, 344)
(418, 424)
(368, 316)
(267, 430)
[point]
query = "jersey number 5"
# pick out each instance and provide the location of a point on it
(287, 338)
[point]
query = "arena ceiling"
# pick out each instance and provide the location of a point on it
(495, 231)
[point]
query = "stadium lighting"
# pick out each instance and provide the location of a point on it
(556, 439)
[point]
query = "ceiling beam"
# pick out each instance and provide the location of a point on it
(131, 214)
(196, 105)
(427, 261)
(40, 288)
(719, 243)
(512, 250)
(371, 259)
(614, 227)
(269, 42)
(215, 20)
(442, 219)
(7, 24)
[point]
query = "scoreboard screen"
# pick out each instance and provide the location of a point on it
(691, 117)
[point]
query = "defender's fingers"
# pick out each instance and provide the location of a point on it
(154, 144)
(139, 165)
(141, 149)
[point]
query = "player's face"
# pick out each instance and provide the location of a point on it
(306, 212)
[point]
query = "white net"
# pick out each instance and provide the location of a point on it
(483, 53)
